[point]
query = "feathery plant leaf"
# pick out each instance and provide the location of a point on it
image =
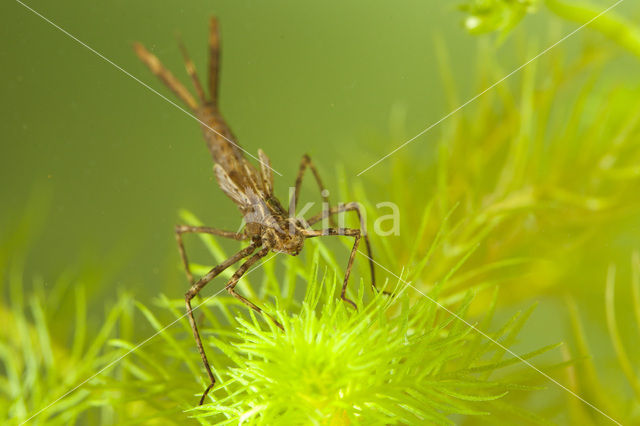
(587, 380)
(545, 184)
(389, 362)
(41, 363)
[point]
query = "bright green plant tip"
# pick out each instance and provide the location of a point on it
(331, 364)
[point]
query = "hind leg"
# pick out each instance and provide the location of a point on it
(304, 164)
(355, 207)
(214, 59)
(191, 70)
(156, 67)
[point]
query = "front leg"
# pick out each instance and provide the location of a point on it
(348, 232)
(306, 162)
(183, 229)
(355, 207)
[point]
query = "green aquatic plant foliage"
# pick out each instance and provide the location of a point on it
(535, 190)
(623, 330)
(502, 16)
(389, 362)
(487, 16)
(532, 186)
(530, 190)
(48, 348)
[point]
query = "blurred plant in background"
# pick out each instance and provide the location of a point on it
(535, 189)
(496, 15)
(585, 377)
(502, 16)
(523, 178)
(47, 349)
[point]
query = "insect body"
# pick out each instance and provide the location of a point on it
(269, 226)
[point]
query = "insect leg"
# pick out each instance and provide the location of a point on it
(194, 290)
(306, 162)
(183, 229)
(356, 208)
(191, 70)
(348, 232)
(214, 59)
(156, 67)
(231, 285)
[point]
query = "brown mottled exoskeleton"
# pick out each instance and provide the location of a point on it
(269, 226)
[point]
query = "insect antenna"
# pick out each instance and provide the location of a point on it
(191, 70)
